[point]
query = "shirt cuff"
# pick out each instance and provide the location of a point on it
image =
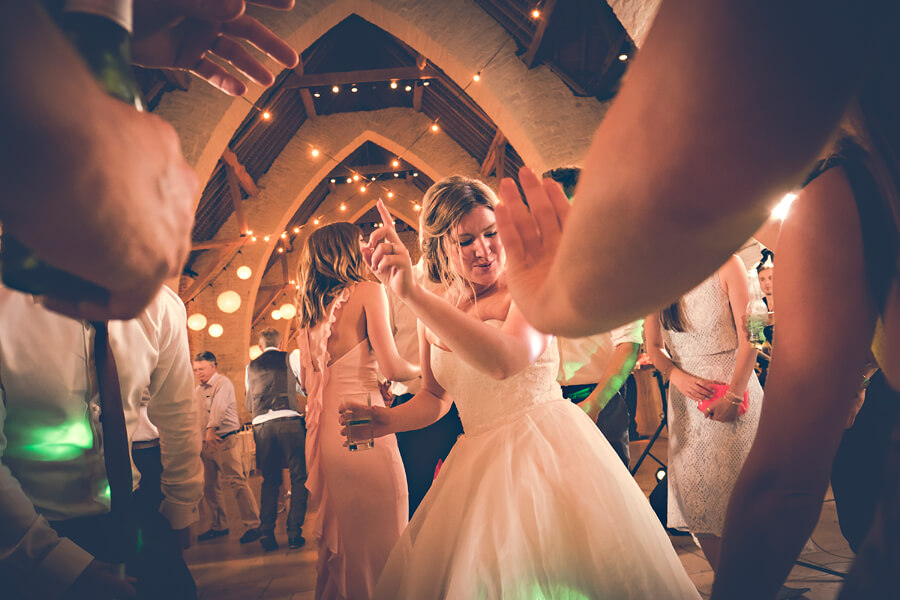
(60, 568)
(179, 515)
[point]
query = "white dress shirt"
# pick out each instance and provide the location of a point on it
(583, 360)
(50, 434)
(294, 361)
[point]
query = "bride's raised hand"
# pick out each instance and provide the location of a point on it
(387, 257)
(530, 235)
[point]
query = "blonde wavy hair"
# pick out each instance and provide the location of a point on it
(444, 205)
(331, 261)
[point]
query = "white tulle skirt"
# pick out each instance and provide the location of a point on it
(538, 507)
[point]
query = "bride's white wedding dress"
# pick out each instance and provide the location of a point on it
(532, 502)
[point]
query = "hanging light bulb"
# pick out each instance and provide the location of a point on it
(396, 163)
(349, 180)
(216, 330)
(266, 115)
(315, 152)
(296, 230)
(355, 177)
(477, 77)
(276, 314)
(335, 89)
(287, 310)
(343, 207)
(408, 88)
(434, 127)
(255, 352)
(196, 322)
(228, 302)
(390, 194)
(244, 272)
(393, 85)
(362, 189)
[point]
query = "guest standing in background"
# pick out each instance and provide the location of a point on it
(273, 382)
(221, 453)
(706, 448)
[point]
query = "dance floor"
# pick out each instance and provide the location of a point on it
(226, 570)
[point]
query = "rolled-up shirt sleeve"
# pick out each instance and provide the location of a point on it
(632, 332)
(31, 553)
(172, 410)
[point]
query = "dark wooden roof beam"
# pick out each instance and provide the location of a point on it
(537, 39)
(234, 165)
(368, 76)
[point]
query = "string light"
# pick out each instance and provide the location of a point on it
(417, 207)
(362, 189)
(408, 88)
(315, 221)
(396, 174)
(349, 180)
(280, 250)
(253, 238)
(393, 85)
(395, 163)
(333, 181)
(284, 235)
(434, 127)
(623, 57)
(390, 194)
(427, 83)
(335, 89)
(354, 89)
(266, 238)
(317, 95)
(415, 173)
(266, 115)
(535, 14)
(296, 230)
(343, 207)
(315, 152)
(355, 177)
(477, 77)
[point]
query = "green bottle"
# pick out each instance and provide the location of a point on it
(105, 47)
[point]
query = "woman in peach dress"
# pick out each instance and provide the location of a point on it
(344, 341)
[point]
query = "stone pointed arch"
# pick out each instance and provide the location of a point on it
(537, 113)
(289, 183)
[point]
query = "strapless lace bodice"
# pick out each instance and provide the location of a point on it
(484, 402)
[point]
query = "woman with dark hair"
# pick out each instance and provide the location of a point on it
(714, 400)
(532, 501)
(345, 339)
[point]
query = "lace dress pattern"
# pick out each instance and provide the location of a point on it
(705, 456)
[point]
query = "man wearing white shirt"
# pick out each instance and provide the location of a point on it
(221, 454)
(272, 380)
(54, 495)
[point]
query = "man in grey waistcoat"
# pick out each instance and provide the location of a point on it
(279, 430)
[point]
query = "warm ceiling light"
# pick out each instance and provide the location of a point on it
(343, 207)
(434, 127)
(396, 174)
(297, 229)
(280, 250)
(315, 221)
(335, 89)
(535, 14)
(266, 239)
(362, 188)
(317, 95)
(396, 163)
(253, 238)
(243, 272)
(390, 194)
(408, 88)
(477, 77)
(415, 173)
(354, 89)
(284, 235)
(426, 84)
(266, 115)
(393, 85)
(196, 322)
(216, 330)
(287, 310)
(417, 207)
(349, 180)
(623, 57)
(355, 177)
(229, 301)
(315, 152)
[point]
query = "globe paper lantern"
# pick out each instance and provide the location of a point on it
(216, 330)
(287, 310)
(229, 301)
(196, 322)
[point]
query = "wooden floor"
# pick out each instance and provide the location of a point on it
(226, 570)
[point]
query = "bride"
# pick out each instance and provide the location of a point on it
(532, 502)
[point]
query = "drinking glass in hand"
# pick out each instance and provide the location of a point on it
(358, 413)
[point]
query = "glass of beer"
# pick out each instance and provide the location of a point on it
(358, 412)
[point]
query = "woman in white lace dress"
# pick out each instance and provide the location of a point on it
(708, 442)
(532, 502)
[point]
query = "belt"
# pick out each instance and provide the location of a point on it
(298, 418)
(225, 435)
(144, 445)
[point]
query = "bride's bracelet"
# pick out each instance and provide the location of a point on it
(733, 398)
